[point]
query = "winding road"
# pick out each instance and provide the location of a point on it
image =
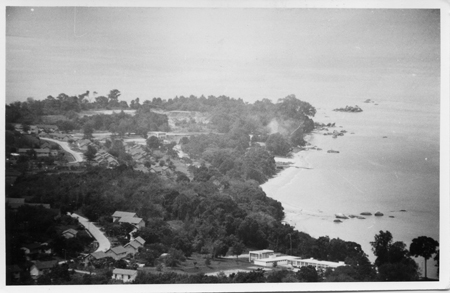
(103, 242)
(65, 146)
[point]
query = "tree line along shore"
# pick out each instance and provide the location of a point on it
(199, 214)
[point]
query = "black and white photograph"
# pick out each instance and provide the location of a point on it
(225, 146)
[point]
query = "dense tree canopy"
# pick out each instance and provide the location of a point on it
(218, 207)
(425, 247)
(278, 145)
(393, 259)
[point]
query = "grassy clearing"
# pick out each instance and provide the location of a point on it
(196, 264)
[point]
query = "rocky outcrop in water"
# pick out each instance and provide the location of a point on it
(332, 152)
(349, 109)
(341, 216)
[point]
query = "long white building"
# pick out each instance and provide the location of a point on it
(268, 258)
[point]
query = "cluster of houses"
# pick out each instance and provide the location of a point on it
(41, 152)
(45, 150)
(140, 156)
(35, 250)
(138, 153)
(44, 130)
(129, 249)
(37, 268)
(36, 129)
(83, 144)
(103, 158)
(130, 218)
(16, 203)
(268, 258)
(161, 170)
(56, 136)
(118, 252)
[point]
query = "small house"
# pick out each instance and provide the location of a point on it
(140, 240)
(45, 145)
(34, 129)
(42, 152)
(117, 252)
(44, 205)
(137, 222)
(15, 203)
(124, 275)
(31, 249)
(24, 151)
(70, 233)
(40, 268)
(46, 127)
(97, 256)
(133, 247)
(46, 248)
(119, 214)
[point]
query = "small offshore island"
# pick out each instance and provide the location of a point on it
(354, 109)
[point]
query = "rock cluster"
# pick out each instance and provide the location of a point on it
(335, 133)
(349, 109)
(340, 216)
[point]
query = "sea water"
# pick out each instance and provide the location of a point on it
(388, 161)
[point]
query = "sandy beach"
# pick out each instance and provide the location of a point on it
(376, 169)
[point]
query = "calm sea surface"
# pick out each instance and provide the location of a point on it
(390, 163)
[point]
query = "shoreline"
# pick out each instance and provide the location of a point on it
(316, 186)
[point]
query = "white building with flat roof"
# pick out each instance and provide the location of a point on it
(283, 260)
(272, 259)
(318, 264)
(259, 254)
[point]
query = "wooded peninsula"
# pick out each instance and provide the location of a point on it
(189, 171)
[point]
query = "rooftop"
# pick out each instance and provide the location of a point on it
(32, 245)
(71, 231)
(15, 200)
(99, 254)
(140, 240)
(261, 251)
(134, 244)
(323, 262)
(121, 214)
(130, 220)
(280, 258)
(46, 264)
(124, 272)
(118, 250)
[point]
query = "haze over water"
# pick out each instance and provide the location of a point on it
(252, 53)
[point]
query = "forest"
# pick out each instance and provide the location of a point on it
(220, 209)
(289, 117)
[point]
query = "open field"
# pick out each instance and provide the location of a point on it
(196, 264)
